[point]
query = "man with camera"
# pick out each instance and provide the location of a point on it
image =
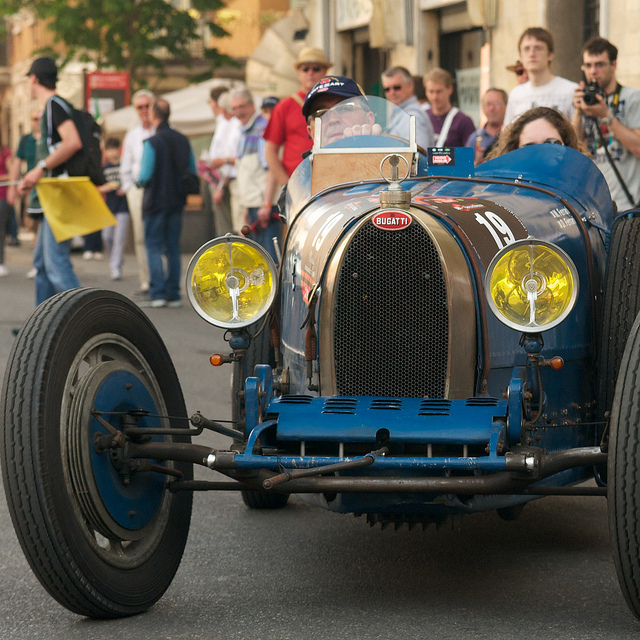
(607, 117)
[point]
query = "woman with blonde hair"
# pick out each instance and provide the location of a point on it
(535, 126)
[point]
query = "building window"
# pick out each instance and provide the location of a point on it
(591, 23)
(408, 22)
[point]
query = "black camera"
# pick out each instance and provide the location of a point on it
(590, 92)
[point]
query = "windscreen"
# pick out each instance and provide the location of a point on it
(349, 123)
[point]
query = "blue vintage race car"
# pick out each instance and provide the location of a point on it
(437, 340)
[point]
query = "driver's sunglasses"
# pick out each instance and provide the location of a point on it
(315, 68)
(340, 110)
(394, 87)
(548, 141)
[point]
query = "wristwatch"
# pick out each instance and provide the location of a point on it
(43, 165)
(607, 120)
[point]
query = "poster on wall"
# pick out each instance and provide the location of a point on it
(468, 86)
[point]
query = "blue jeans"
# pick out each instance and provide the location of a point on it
(162, 238)
(53, 262)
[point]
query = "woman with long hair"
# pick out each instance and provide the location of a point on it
(535, 126)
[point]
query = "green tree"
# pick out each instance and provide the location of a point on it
(132, 35)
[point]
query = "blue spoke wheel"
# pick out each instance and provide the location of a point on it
(101, 532)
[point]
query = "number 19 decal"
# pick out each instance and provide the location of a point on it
(497, 227)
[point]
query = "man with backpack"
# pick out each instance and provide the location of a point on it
(59, 142)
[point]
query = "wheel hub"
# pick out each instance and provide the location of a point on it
(118, 501)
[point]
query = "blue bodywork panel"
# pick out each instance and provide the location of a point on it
(359, 419)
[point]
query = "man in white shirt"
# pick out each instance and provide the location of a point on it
(222, 157)
(543, 89)
(129, 170)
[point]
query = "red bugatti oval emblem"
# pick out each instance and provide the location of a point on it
(392, 220)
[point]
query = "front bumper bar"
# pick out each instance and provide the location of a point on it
(517, 475)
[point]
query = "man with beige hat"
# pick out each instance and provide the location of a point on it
(287, 128)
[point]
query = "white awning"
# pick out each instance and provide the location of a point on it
(190, 111)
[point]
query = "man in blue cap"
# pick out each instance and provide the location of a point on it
(353, 117)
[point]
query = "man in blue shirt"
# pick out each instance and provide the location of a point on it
(494, 105)
(165, 158)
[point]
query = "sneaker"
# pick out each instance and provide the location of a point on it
(32, 273)
(98, 255)
(77, 242)
(87, 255)
(156, 303)
(140, 293)
(3, 271)
(13, 242)
(174, 304)
(116, 274)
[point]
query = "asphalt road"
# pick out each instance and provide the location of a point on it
(305, 573)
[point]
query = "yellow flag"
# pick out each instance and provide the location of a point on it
(73, 206)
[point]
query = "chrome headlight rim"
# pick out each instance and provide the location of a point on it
(529, 328)
(230, 239)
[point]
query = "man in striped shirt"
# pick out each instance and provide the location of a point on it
(255, 186)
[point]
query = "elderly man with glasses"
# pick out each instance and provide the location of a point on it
(351, 117)
(607, 118)
(129, 171)
(398, 87)
(257, 196)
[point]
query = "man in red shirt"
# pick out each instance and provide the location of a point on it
(287, 128)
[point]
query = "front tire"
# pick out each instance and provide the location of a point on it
(624, 473)
(104, 540)
(621, 304)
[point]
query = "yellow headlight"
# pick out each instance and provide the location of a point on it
(531, 285)
(231, 282)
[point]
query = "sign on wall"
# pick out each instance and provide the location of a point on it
(351, 14)
(106, 91)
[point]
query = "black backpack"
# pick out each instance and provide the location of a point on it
(189, 182)
(88, 160)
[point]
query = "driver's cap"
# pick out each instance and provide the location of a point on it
(333, 86)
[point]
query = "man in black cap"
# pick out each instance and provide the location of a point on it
(352, 118)
(59, 141)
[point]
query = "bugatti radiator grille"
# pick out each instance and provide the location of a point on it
(391, 323)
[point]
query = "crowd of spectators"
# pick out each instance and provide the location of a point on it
(258, 144)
